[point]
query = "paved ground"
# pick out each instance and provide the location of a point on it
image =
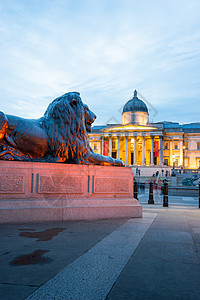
(156, 257)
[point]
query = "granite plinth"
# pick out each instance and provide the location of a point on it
(43, 192)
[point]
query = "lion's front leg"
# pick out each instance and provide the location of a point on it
(98, 159)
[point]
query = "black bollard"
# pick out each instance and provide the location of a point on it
(151, 201)
(165, 196)
(199, 194)
(135, 193)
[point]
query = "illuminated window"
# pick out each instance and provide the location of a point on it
(198, 146)
(114, 145)
(175, 145)
(95, 146)
(132, 146)
(166, 161)
(139, 145)
(166, 146)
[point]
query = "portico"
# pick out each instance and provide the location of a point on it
(135, 145)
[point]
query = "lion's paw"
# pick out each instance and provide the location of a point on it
(119, 162)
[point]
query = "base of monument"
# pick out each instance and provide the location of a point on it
(35, 192)
(60, 210)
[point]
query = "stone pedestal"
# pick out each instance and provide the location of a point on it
(31, 192)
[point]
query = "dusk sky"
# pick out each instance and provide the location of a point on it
(104, 49)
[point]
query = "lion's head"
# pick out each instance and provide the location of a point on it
(70, 106)
(66, 121)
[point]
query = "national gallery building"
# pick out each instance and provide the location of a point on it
(140, 143)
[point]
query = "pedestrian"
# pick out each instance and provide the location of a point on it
(155, 184)
(162, 187)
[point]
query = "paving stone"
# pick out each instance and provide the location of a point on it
(15, 292)
(169, 236)
(162, 280)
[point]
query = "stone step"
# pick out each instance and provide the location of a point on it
(92, 210)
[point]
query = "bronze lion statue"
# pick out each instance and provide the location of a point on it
(59, 136)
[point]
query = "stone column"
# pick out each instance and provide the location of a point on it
(143, 150)
(102, 145)
(181, 152)
(126, 153)
(170, 153)
(161, 151)
(118, 147)
(152, 158)
(135, 151)
(110, 146)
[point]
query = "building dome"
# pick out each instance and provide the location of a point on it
(135, 104)
(135, 112)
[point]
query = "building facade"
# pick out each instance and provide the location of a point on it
(140, 143)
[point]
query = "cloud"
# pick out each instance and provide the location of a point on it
(105, 50)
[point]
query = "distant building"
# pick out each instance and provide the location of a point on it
(140, 143)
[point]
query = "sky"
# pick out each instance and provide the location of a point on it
(104, 49)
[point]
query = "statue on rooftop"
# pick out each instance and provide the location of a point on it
(59, 136)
